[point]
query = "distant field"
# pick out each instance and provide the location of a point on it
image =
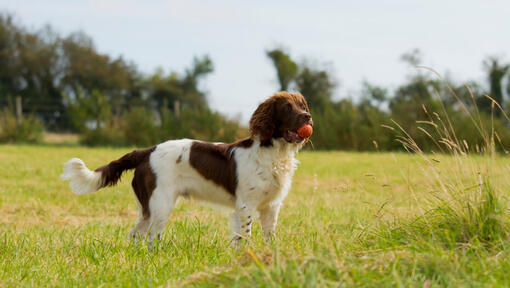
(341, 225)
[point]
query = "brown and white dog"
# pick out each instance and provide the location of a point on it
(252, 175)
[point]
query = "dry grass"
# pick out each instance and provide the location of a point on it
(60, 138)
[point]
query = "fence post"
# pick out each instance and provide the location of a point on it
(177, 108)
(19, 111)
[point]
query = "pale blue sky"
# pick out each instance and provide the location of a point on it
(360, 39)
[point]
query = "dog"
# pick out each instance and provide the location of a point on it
(252, 176)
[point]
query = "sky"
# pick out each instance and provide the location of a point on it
(357, 40)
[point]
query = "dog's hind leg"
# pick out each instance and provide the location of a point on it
(161, 205)
(143, 185)
(141, 227)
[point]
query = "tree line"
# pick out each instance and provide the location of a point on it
(374, 118)
(65, 85)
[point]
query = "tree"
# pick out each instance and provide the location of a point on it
(317, 87)
(165, 90)
(11, 81)
(315, 84)
(496, 73)
(192, 96)
(286, 69)
(87, 70)
(31, 69)
(375, 95)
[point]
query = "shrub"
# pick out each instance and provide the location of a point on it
(102, 137)
(109, 134)
(139, 128)
(30, 130)
(204, 124)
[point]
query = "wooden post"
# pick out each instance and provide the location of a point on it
(177, 108)
(19, 110)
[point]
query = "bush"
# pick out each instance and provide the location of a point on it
(103, 137)
(30, 130)
(204, 125)
(109, 134)
(139, 128)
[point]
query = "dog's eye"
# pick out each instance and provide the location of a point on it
(289, 107)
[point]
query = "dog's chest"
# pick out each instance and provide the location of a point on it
(268, 173)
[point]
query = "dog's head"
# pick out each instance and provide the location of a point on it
(279, 117)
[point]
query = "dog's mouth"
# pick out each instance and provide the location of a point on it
(292, 137)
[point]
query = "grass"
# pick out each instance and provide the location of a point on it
(351, 219)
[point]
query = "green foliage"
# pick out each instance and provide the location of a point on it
(108, 136)
(363, 124)
(203, 125)
(88, 72)
(316, 84)
(139, 128)
(286, 69)
(56, 75)
(30, 130)
(496, 73)
(89, 110)
(166, 91)
(31, 68)
(70, 86)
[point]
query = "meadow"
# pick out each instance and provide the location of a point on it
(351, 220)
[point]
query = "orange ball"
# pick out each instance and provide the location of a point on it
(305, 131)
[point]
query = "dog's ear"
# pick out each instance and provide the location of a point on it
(262, 121)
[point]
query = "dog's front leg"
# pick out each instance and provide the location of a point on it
(268, 218)
(235, 227)
(240, 222)
(246, 217)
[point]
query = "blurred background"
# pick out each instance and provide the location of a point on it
(136, 73)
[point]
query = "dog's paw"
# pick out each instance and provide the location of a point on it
(235, 242)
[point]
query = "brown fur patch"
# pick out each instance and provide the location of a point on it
(216, 162)
(144, 180)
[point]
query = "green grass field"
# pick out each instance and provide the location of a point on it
(351, 219)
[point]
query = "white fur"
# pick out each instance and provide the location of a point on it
(81, 179)
(264, 178)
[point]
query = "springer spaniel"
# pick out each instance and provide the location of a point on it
(252, 175)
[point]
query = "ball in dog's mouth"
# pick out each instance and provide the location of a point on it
(299, 135)
(305, 131)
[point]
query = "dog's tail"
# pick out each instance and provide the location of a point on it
(83, 180)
